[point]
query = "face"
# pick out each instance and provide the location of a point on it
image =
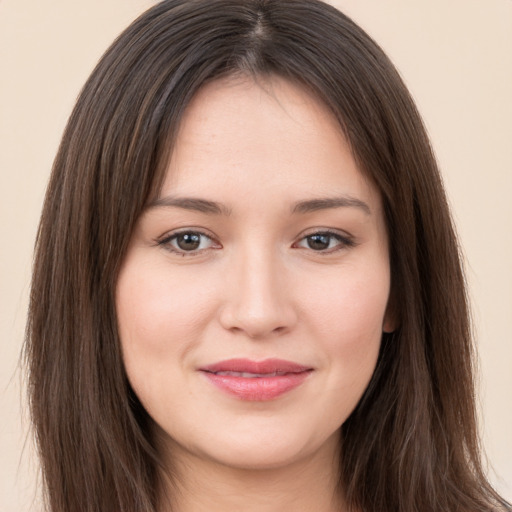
(253, 296)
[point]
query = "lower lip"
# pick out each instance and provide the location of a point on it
(258, 388)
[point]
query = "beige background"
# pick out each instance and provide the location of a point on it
(456, 57)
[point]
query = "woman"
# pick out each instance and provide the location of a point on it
(247, 293)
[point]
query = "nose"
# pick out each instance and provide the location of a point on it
(259, 299)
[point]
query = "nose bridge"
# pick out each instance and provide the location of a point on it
(259, 301)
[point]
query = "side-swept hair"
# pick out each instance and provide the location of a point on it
(411, 444)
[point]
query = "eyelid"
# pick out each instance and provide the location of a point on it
(164, 241)
(346, 240)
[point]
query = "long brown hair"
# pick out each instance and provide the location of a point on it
(411, 444)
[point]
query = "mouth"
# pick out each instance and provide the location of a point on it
(256, 380)
(248, 375)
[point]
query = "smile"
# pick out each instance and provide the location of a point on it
(247, 375)
(256, 381)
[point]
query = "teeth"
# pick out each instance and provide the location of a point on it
(248, 375)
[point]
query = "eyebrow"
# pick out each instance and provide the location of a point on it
(212, 207)
(191, 203)
(324, 203)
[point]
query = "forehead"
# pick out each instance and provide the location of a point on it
(246, 137)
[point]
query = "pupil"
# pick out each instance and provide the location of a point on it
(188, 241)
(318, 242)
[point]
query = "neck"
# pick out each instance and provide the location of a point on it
(198, 485)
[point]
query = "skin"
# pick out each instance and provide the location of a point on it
(255, 288)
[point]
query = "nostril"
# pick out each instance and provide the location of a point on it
(238, 322)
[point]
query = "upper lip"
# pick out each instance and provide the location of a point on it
(270, 366)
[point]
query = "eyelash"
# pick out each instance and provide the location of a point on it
(166, 242)
(345, 242)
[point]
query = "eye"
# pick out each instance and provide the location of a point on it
(187, 242)
(325, 241)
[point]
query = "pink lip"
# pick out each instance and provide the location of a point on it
(275, 377)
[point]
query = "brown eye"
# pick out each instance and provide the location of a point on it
(188, 241)
(319, 242)
(325, 241)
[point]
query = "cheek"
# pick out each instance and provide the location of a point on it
(353, 302)
(347, 316)
(151, 303)
(154, 310)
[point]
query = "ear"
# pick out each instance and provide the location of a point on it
(391, 317)
(389, 325)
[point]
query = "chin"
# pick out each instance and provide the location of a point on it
(259, 449)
